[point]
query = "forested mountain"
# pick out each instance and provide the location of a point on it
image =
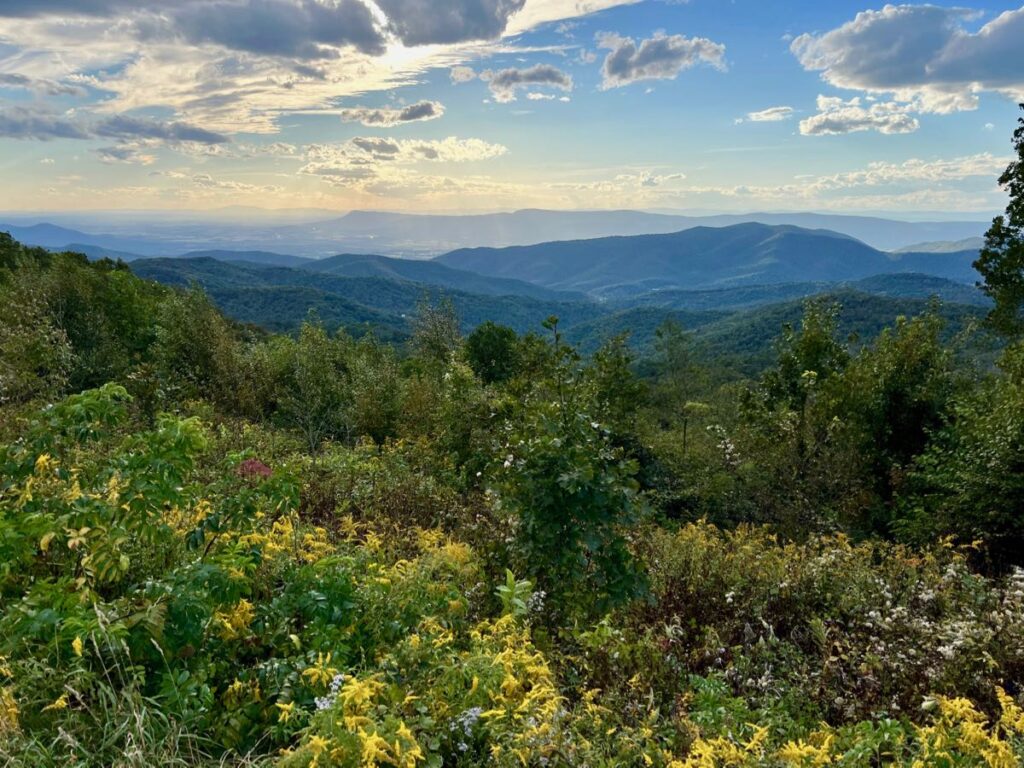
(432, 273)
(280, 298)
(704, 257)
(908, 285)
(737, 323)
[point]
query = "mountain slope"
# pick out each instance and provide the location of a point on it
(279, 298)
(431, 273)
(262, 258)
(703, 257)
(906, 286)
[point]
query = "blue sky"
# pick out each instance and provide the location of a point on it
(474, 105)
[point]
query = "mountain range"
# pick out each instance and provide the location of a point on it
(731, 286)
(426, 235)
(704, 258)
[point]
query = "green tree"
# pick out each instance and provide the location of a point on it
(969, 482)
(314, 398)
(809, 355)
(492, 352)
(375, 390)
(573, 494)
(36, 357)
(1001, 261)
(436, 334)
(892, 396)
(617, 392)
(195, 347)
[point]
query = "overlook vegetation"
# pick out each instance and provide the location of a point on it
(224, 546)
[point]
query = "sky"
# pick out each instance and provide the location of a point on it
(482, 105)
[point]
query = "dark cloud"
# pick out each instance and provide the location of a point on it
(381, 149)
(126, 127)
(505, 82)
(32, 8)
(301, 29)
(19, 122)
(28, 123)
(658, 58)
(48, 87)
(387, 117)
(422, 22)
(920, 52)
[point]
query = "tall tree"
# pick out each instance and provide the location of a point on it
(1001, 261)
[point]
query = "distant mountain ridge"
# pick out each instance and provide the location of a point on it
(704, 258)
(427, 235)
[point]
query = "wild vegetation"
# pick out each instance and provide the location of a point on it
(224, 547)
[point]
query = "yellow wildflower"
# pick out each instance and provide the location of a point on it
(322, 672)
(8, 711)
(43, 463)
(374, 749)
(356, 693)
(77, 646)
(60, 703)
(285, 711)
(234, 624)
(318, 745)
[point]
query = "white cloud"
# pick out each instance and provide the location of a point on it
(920, 54)
(836, 116)
(930, 172)
(235, 66)
(661, 57)
(462, 74)
(366, 158)
(770, 115)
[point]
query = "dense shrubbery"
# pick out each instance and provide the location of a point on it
(172, 596)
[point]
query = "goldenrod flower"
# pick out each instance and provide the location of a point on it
(322, 672)
(285, 711)
(60, 703)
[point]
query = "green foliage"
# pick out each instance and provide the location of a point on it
(806, 357)
(312, 395)
(436, 335)
(572, 494)
(1001, 261)
(194, 347)
(492, 352)
(967, 482)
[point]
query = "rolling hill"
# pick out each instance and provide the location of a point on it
(703, 258)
